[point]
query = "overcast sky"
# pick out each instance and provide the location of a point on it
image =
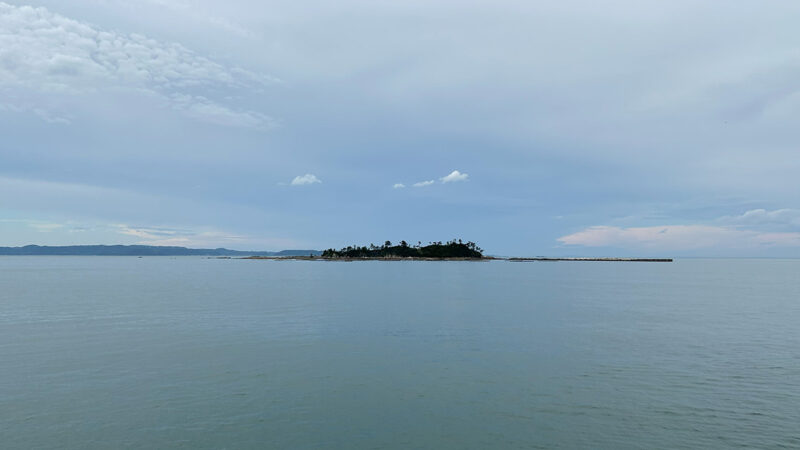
(533, 128)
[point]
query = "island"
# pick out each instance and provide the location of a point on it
(455, 249)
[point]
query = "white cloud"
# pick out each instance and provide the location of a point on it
(305, 179)
(45, 227)
(192, 10)
(454, 176)
(48, 55)
(203, 109)
(764, 217)
(161, 236)
(44, 114)
(679, 237)
(151, 233)
(200, 238)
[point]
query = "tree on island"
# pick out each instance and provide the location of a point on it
(452, 249)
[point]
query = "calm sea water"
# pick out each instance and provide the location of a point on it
(122, 352)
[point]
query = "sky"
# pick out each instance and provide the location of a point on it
(569, 128)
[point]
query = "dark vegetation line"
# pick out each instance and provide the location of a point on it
(451, 249)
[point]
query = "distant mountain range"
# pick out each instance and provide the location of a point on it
(141, 250)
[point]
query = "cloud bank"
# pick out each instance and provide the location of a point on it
(45, 56)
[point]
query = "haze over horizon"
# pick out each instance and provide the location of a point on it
(531, 128)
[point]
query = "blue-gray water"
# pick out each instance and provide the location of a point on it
(122, 352)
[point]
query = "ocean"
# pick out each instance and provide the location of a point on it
(197, 353)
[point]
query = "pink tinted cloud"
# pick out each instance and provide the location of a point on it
(680, 237)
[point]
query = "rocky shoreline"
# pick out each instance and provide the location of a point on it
(590, 259)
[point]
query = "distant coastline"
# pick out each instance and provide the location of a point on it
(139, 250)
